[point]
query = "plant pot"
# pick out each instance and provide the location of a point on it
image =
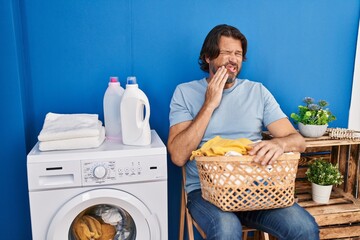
(312, 131)
(320, 194)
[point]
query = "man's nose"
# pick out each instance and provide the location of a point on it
(232, 57)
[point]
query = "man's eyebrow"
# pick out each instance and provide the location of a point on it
(226, 50)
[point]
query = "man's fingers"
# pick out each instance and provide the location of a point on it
(270, 158)
(265, 152)
(220, 77)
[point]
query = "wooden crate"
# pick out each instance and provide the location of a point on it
(338, 219)
(345, 153)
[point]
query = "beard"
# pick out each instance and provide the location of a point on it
(232, 75)
(231, 79)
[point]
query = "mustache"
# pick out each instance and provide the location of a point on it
(230, 63)
(214, 68)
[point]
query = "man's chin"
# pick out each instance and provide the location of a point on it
(230, 80)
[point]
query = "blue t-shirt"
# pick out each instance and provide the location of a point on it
(244, 109)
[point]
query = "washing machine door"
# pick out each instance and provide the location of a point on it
(146, 224)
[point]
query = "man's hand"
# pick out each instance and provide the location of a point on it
(215, 88)
(266, 152)
(285, 139)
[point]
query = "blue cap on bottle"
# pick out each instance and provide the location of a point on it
(131, 80)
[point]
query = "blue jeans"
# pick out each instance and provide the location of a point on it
(291, 223)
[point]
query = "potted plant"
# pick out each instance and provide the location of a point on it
(323, 175)
(313, 118)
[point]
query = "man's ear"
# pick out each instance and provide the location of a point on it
(207, 59)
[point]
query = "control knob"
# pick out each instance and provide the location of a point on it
(100, 171)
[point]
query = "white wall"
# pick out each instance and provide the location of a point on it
(354, 114)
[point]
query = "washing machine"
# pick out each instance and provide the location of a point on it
(115, 192)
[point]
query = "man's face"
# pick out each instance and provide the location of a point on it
(231, 56)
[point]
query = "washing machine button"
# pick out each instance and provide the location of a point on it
(100, 172)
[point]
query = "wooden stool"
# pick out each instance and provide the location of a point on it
(190, 222)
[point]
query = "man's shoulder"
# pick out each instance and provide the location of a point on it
(249, 84)
(191, 84)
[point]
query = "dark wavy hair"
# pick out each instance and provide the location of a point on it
(210, 48)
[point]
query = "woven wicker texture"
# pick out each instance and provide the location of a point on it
(239, 184)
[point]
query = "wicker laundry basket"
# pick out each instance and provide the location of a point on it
(239, 184)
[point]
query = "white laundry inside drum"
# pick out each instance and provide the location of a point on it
(103, 221)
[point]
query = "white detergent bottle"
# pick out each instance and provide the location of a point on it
(111, 104)
(134, 105)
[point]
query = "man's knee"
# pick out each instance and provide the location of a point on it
(226, 226)
(305, 229)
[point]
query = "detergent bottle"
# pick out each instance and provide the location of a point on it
(111, 105)
(135, 115)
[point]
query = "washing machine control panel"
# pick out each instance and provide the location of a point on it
(98, 172)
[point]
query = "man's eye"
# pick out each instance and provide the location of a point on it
(237, 54)
(225, 52)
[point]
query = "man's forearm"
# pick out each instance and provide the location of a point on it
(187, 139)
(291, 143)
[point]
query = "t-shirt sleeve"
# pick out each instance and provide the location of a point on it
(179, 112)
(272, 110)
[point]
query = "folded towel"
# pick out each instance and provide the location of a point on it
(74, 143)
(68, 126)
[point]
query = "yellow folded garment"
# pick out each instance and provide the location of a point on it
(220, 146)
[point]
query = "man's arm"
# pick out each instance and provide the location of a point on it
(185, 137)
(286, 139)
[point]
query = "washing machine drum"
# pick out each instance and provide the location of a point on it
(103, 222)
(104, 214)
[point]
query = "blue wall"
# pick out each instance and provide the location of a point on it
(58, 55)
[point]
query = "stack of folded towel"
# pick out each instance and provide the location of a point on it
(71, 131)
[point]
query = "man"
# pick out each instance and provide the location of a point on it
(232, 108)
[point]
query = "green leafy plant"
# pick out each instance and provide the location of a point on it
(324, 173)
(313, 113)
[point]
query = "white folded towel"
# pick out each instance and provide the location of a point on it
(74, 143)
(68, 126)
